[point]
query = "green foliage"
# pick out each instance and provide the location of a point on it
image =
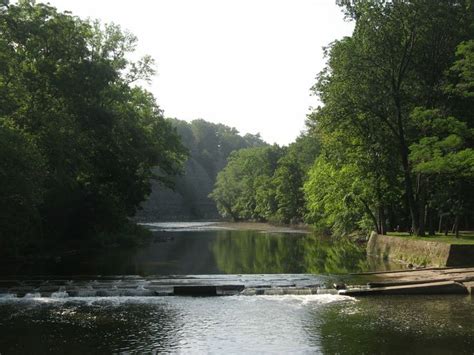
(288, 180)
(209, 145)
(21, 188)
(243, 187)
(462, 71)
(336, 198)
(212, 143)
(380, 148)
(445, 157)
(266, 183)
(65, 84)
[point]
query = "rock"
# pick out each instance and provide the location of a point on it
(339, 286)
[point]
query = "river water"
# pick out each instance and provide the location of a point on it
(322, 323)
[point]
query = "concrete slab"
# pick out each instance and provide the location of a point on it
(469, 286)
(433, 288)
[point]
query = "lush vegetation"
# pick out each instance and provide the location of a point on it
(265, 183)
(391, 146)
(78, 137)
(209, 145)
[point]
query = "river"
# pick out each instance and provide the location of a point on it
(322, 323)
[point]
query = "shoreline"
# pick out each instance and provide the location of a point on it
(264, 227)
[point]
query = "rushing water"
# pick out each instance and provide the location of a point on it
(232, 324)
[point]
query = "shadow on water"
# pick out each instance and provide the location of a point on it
(213, 252)
(103, 327)
(327, 324)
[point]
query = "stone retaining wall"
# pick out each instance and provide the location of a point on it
(420, 252)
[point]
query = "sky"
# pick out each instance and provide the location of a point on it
(248, 64)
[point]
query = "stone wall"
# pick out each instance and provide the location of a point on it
(420, 252)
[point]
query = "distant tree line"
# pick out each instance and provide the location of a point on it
(392, 142)
(78, 137)
(265, 183)
(212, 143)
(209, 145)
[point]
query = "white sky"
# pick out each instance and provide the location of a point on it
(246, 63)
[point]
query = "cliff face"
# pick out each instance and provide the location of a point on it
(188, 201)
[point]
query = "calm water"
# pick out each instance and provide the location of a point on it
(202, 248)
(235, 324)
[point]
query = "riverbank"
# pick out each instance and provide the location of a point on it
(264, 227)
(421, 251)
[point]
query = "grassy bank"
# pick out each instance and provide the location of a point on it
(464, 237)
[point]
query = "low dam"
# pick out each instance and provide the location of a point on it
(276, 293)
(137, 286)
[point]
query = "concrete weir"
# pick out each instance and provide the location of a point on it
(195, 285)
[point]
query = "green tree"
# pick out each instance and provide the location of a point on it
(394, 61)
(21, 188)
(243, 187)
(69, 85)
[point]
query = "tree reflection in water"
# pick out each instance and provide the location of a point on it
(255, 252)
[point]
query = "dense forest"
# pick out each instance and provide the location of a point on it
(78, 137)
(82, 144)
(391, 146)
(209, 145)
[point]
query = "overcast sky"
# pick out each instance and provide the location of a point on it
(245, 63)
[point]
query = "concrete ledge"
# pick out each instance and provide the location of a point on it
(420, 252)
(433, 288)
(470, 287)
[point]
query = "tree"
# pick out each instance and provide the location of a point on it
(288, 180)
(243, 188)
(68, 85)
(21, 188)
(394, 61)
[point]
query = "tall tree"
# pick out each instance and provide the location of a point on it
(394, 61)
(68, 85)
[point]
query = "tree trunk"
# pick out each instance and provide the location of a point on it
(446, 231)
(397, 81)
(431, 222)
(408, 181)
(372, 217)
(381, 220)
(456, 226)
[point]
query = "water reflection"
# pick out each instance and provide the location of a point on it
(86, 327)
(212, 252)
(397, 325)
(326, 324)
(254, 253)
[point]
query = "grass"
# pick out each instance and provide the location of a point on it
(465, 237)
